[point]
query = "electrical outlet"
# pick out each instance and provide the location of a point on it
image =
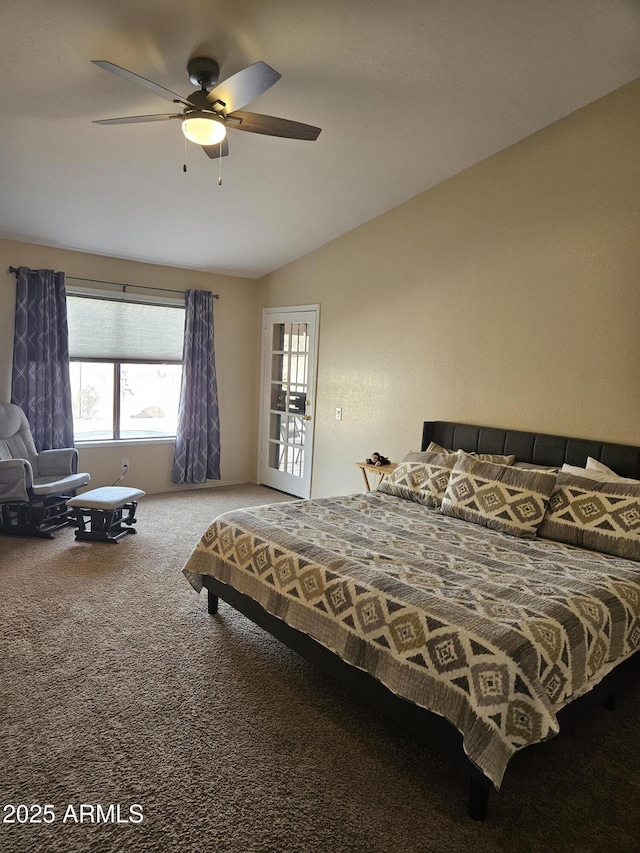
(125, 464)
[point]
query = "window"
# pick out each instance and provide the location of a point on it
(125, 367)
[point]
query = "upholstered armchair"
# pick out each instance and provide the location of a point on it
(34, 487)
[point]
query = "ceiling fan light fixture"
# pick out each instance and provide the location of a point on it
(203, 128)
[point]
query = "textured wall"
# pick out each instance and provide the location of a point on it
(236, 352)
(508, 295)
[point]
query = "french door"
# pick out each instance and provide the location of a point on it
(289, 360)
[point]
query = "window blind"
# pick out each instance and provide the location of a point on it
(114, 329)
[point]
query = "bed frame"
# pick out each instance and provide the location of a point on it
(436, 732)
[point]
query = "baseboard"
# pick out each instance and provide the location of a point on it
(191, 487)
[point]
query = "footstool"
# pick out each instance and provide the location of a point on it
(104, 508)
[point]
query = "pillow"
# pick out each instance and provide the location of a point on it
(596, 475)
(418, 456)
(483, 457)
(602, 516)
(423, 481)
(596, 465)
(512, 500)
(438, 448)
(532, 466)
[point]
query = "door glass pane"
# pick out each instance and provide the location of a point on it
(278, 337)
(296, 435)
(298, 367)
(274, 452)
(278, 398)
(296, 459)
(279, 367)
(297, 399)
(289, 374)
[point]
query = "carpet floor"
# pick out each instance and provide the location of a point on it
(144, 724)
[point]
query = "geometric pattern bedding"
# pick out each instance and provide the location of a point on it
(603, 516)
(494, 632)
(424, 482)
(501, 497)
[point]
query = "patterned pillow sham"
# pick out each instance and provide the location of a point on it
(601, 516)
(501, 497)
(424, 481)
(482, 457)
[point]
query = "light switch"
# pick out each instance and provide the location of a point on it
(338, 413)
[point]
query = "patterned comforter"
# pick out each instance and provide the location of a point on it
(493, 632)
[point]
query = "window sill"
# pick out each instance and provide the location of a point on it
(120, 442)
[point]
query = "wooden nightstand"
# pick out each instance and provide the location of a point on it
(380, 470)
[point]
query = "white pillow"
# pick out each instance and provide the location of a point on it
(597, 472)
(596, 465)
(532, 466)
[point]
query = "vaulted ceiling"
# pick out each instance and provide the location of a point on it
(407, 94)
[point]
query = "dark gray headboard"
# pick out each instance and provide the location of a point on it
(536, 447)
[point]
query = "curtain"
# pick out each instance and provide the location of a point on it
(40, 378)
(197, 453)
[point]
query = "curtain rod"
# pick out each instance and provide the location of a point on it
(123, 286)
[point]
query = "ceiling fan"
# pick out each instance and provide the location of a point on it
(214, 107)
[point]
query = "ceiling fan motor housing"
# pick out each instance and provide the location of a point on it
(199, 100)
(203, 71)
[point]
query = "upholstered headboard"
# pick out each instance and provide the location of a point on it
(536, 447)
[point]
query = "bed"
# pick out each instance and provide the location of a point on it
(474, 596)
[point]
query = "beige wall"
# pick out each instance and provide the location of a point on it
(508, 295)
(236, 352)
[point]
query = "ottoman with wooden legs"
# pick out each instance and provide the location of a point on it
(100, 513)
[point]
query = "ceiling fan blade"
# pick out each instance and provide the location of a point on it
(141, 81)
(217, 151)
(272, 126)
(136, 119)
(243, 87)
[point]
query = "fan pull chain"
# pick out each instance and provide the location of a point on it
(220, 164)
(184, 165)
